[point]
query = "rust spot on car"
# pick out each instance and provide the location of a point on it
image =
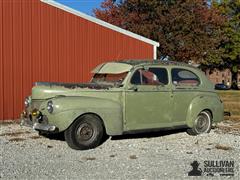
(75, 85)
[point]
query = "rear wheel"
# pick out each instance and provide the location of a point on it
(85, 133)
(202, 124)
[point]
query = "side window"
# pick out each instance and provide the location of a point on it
(152, 76)
(184, 77)
(161, 74)
(136, 79)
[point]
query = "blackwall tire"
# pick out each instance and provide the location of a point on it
(202, 124)
(85, 133)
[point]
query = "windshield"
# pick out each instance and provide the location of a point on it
(113, 79)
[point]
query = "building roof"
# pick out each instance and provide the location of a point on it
(100, 22)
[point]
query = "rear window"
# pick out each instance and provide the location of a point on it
(181, 77)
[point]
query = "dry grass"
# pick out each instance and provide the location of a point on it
(89, 158)
(16, 139)
(231, 100)
(35, 137)
(8, 122)
(133, 157)
(223, 147)
(14, 133)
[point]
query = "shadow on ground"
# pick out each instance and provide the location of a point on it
(152, 134)
(56, 136)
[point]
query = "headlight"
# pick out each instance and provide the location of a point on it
(50, 106)
(27, 102)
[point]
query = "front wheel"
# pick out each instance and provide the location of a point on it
(202, 124)
(85, 133)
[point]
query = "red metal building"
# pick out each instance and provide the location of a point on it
(46, 41)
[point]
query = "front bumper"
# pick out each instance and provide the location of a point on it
(38, 124)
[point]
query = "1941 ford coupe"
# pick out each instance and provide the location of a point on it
(125, 97)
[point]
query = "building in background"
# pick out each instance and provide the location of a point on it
(47, 41)
(238, 79)
(220, 76)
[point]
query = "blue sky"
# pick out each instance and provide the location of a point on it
(85, 6)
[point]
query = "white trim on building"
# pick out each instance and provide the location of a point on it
(103, 23)
(154, 52)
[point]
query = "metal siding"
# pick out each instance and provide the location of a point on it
(17, 59)
(36, 42)
(26, 50)
(7, 60)
(42, 43)
(1, 61)
(45, 39)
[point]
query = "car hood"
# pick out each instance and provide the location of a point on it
(46, 90)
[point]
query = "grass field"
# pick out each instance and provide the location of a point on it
(231, 100)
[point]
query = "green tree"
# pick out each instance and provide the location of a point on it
(231, 43)
(186, 29)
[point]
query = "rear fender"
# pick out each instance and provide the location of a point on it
(203, 102)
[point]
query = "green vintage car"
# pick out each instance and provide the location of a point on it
(125, 97)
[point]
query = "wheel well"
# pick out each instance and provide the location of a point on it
(210, 112)
(93, 114)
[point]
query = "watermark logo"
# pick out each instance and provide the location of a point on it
(212, 168)
(196, 171)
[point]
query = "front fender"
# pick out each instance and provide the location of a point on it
(68, 109)
(205, 102)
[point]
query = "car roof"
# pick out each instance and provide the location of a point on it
(153, 62)
(121, 66)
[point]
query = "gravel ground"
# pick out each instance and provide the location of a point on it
(167, 155)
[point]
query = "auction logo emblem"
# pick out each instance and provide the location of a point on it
(196, 171)
(211, 168)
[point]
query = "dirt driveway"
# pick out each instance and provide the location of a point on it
(166, 155)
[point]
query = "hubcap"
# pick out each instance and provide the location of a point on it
(85, 132)
(202, 123)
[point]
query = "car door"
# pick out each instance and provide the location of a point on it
(185, 87)
(147, 101)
